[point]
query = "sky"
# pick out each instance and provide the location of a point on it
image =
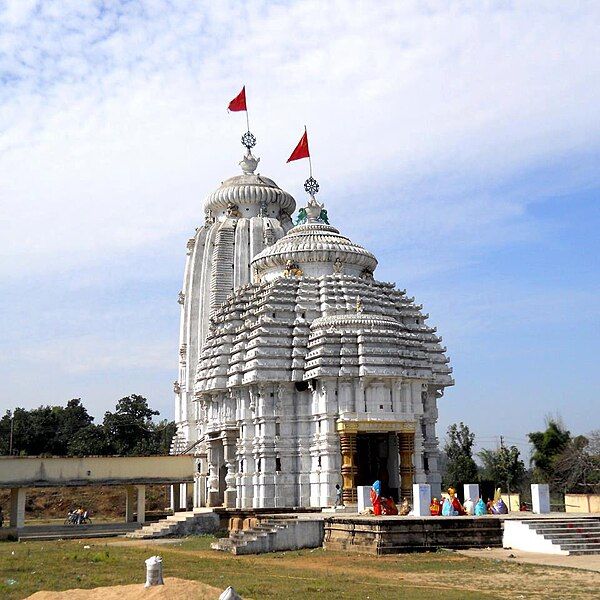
(458, 141)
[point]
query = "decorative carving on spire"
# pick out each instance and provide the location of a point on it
(190, 245)
(233, 210)
(181, 298)
(208, 219)
(292, 269)
(360, 307)
(338, 266)
(366, 274)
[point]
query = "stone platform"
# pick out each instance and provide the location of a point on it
(392, 535)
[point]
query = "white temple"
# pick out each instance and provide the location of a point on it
(298, 370)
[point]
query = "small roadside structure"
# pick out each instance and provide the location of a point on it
(133, 472)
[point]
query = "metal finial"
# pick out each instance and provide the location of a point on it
(311, 186)
(248, 140)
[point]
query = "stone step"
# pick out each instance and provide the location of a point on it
(565, 537)
(581, 546)
(180, 523)
(583, 552)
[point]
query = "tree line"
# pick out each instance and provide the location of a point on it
(70, 431)
(568, 464)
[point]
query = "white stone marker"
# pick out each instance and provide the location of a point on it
(540, 498)
(421, 499)
(363, 493)
(154, 571)
(230, 594)
(471, 490)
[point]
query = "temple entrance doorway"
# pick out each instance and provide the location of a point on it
(377, 458)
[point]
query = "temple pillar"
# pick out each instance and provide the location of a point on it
(229, 452)
(406, 447)
(213, 452)
(349, 466)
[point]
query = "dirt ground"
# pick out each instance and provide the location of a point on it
(174, 589)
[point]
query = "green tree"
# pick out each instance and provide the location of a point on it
(129, 429)
(72, 419)
(90, 440)
(504, 467)
(547, 446)
(461, 467)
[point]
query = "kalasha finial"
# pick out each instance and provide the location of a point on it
(249, 163)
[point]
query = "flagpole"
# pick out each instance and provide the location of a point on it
(309, 160)
(247, 117)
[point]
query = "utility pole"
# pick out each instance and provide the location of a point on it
(504, 457)
(12, 427)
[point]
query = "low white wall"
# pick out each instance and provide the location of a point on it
(519, 536)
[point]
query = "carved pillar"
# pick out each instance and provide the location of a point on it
(229, 451)
(406, 447)
(349, 466)
(213, 472)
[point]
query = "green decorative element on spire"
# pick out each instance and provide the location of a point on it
(302, 216)
(323, 216)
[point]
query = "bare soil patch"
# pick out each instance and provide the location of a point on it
(174, 589)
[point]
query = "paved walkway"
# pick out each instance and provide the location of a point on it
(585, 562)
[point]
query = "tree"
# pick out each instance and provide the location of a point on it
(577, 468)
(459, 450)
(548, 445)
(91, 440)
(71, 420)
(503, 467)
(130, 429)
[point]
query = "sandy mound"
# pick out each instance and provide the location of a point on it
(174, 589)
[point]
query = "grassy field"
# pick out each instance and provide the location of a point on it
(31, 566)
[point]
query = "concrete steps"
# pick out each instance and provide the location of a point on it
(567, 536)
(65, 532)
(199, 520)
(273, 535)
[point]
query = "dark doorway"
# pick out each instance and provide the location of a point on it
(376, 462)
(222, 484)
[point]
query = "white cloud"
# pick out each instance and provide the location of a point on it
(83, 354)
(114, 122)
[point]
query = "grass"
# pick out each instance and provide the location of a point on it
(31, 566)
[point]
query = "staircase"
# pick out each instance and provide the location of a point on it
(273, 535)
(199, 520)
(564, 535)
(66, 532)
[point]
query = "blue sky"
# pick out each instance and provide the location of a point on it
(459, 143)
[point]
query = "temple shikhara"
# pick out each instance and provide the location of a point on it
(298, 369)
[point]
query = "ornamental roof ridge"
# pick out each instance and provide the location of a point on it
(370, 319)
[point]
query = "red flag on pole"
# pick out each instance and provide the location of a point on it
(239, 102)
(301, 150)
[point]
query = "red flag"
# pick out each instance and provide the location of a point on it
(239, 102)
(301, 150)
